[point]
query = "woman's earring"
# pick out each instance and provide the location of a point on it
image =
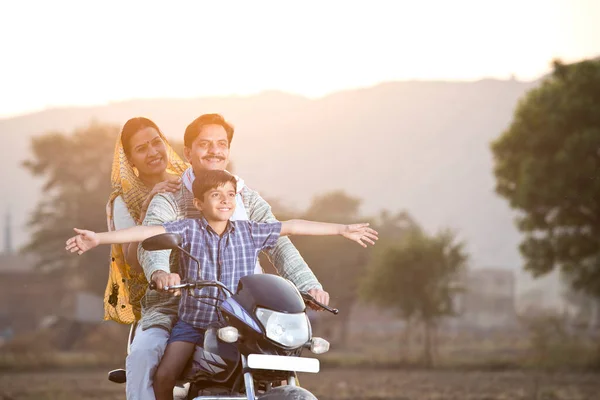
(134, 169)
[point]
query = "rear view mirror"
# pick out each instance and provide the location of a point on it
(164, 241)
(117, 376)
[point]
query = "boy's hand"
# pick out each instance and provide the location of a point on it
(162, 279)
(84, 241)
(359, 233)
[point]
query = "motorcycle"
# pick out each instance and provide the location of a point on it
(256, 345)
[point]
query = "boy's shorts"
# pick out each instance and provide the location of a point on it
(184, 332)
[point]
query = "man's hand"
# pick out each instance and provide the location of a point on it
(84, 241)
(162, 279)
(321, 296)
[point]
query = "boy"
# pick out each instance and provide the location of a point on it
(227, 251)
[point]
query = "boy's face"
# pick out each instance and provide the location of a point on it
(218, 204)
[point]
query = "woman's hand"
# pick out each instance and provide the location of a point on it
(171, 184)
(359, 233)
(84, 241)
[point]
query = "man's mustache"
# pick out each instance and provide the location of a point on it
(213, 156)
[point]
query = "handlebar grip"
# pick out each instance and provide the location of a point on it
(334, 311)
(308, 298)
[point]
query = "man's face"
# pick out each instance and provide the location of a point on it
(210, 150)
(218, 204)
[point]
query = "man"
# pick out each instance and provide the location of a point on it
(207, 141)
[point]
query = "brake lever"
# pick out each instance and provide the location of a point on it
(152, 286)
(310, 298)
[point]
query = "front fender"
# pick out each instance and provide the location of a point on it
(287, 393)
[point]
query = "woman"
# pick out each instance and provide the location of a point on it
(144, 164)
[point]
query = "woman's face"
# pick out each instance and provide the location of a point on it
(147, 152)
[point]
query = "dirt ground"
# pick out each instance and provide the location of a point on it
(337, 384)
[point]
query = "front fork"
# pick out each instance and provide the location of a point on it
(249, 380)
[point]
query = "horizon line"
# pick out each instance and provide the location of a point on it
(263, 92)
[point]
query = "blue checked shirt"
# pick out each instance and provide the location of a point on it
(224, 258)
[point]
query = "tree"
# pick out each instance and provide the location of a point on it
(417, 278)
(584, 310)
(336, 206)
(547, 166)
(393, 228)
(76, 169)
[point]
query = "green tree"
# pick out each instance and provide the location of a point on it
(547, 166)
(417, 278)
(394, 227)
(76, 170)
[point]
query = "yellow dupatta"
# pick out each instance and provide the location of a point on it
(125, 288)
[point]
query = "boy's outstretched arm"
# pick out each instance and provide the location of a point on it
(87, 240)
(358, 233)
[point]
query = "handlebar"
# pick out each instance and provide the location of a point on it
(309, 299)
(203, 283)
(191, 285)
(152, 286)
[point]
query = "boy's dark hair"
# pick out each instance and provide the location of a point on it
(211, 179)
(193, 129)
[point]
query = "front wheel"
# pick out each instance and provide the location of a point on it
(287, 393)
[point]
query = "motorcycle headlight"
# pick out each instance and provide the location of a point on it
(290, 330)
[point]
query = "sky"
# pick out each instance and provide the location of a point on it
(76, 53)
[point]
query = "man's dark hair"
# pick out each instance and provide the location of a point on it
(211, 179)
(195, 127)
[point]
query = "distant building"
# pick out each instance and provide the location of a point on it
(29, 297)
(539, 294)
(488, 300)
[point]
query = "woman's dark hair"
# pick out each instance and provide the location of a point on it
(133, 126)
(193, 129)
